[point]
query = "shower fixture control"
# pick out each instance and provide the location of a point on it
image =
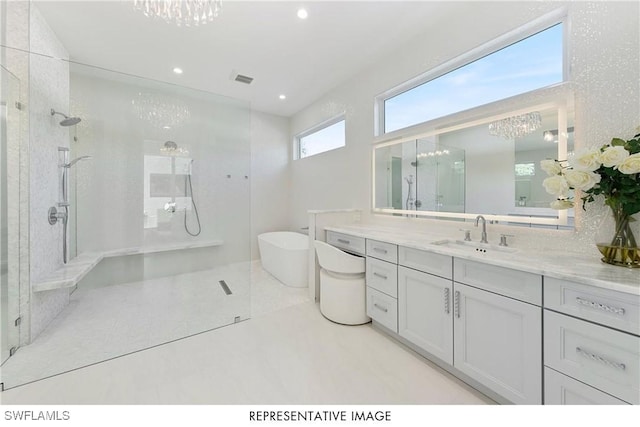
(170, 207)
(54, 215)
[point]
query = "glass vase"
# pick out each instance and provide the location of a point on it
(615, 240)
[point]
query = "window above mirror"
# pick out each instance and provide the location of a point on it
(526, 59)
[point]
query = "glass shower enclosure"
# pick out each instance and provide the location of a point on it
(10, 107)
(157, 218)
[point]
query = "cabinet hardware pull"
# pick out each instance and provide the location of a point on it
(380, 307)
(456, 303)
(446, 300)
(600, 359)
(346, 242)
(384, 251)
(382, 276)
(600, 306)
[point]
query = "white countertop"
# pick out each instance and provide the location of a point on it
(580, 268)
(76, 269)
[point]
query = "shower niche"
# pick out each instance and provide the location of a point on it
(166, 188)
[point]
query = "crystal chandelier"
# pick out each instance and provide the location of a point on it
(182, 12)
(159, 110)
(516, 126)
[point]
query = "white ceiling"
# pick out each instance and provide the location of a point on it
(263, 39)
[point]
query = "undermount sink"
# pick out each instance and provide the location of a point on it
(473, 247)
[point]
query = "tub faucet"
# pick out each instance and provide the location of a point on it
(484, 228)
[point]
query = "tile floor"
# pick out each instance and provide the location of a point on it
(106, 322)
(287, 353)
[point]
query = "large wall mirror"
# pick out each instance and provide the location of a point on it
(489, 166)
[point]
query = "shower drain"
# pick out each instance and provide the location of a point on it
(225, 287)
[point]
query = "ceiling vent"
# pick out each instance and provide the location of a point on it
(241, 78)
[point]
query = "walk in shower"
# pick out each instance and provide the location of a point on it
(157, 242)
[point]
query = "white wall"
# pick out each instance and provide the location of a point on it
(49, 88)
(270, 176)
(604, 54)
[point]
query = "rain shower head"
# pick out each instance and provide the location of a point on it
(170, 146)
(67, 121)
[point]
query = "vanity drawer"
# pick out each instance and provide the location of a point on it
(382, 308)
(616, 309)
(382, 250)
(515, 284)
(560, 389)
(348, 243)
(382, 276)
(427, 262)
(606, 359)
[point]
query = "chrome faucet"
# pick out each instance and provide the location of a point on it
(484, 228)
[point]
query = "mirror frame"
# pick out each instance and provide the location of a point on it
(559, 97)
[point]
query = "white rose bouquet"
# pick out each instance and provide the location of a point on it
(612, 170)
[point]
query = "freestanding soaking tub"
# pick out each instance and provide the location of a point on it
(284, 255)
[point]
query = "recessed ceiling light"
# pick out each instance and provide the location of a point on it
(177, 70)
(166, 127)
(283, 97)
(302, 13)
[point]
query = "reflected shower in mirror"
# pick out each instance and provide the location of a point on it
(421, 175)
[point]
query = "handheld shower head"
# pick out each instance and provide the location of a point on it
(67, 121)
(76, 160)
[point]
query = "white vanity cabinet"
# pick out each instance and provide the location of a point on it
(424, 301)
(498, 342)
(493, 338)
(382, 283)
(347, 242)
(498, 329)
(591, 344)
(490, 325)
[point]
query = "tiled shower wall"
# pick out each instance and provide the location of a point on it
(49, 88)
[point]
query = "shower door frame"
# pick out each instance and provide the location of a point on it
(10, 151)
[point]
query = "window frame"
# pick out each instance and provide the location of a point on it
(558, 16)
(317, 128)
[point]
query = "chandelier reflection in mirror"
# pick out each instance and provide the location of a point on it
(181, 12)
(516, 126)
(160, 111)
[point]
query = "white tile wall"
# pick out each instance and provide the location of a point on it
(270, 176)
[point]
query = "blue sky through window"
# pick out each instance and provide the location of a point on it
(529, 64)
(325, 139)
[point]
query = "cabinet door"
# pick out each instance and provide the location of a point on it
(498, 342)
(424, 312)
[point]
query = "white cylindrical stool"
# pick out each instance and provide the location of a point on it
(342, 285)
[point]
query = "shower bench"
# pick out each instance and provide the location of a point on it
(71, 273)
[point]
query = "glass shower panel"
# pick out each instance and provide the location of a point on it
(9, 182)
(165, 200)
(441, 177)
(158, 217)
